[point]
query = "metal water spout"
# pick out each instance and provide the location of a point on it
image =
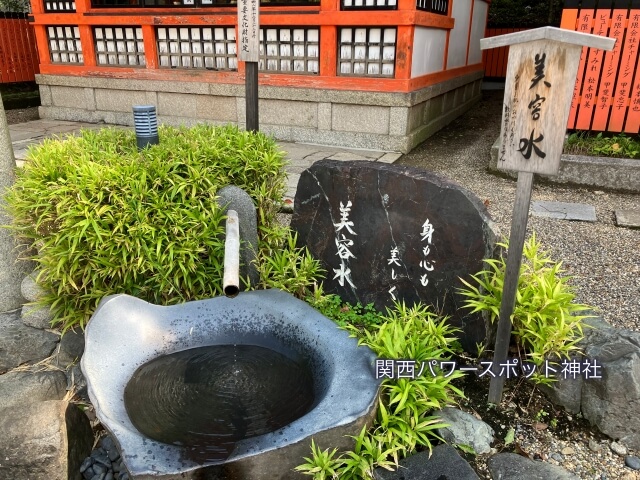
(231, 279)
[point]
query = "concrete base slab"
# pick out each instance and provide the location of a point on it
(619, 174)
(564, 211)
(628, 218)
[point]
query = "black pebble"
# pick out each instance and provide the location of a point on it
(113, 454)
(109, 476)
(632, 462)
(99, 477)
(88, 473)
(86, 464)
(107, 443)
(98, 451)
(103, 459)
(99, 469)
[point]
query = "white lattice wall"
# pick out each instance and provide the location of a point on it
(59, 6)
(367, 51)
(64, 44)
(292, 50)
(366, 4)
(197, 47)
(119, 46)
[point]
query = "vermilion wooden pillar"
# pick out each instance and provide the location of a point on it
(150, 46)
(328, 41)
(37, 7)
(404, 52)
(86, 34)
(328, 51)
(43, 44)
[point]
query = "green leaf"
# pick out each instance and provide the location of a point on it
(510, 437)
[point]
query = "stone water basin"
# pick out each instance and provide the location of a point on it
(225, 388)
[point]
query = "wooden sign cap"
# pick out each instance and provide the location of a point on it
(549, 33)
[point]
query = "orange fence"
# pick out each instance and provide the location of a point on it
(18, 53)
(495, 59)
(607, 92)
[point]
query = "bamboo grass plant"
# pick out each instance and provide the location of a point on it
(407, 410)
(104, 218)
(547, 323)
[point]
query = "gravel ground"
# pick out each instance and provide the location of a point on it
(603, 259)
(22, 115)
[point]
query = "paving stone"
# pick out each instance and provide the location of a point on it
(389, 157)
(564, 211)
(346, 156)
(628, 218)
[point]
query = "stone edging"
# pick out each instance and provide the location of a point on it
(620, 174)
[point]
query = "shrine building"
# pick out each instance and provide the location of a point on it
(376, 74)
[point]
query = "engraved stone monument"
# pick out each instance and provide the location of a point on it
(388, 233)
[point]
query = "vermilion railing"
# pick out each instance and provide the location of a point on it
(18, 52)
(495, 59)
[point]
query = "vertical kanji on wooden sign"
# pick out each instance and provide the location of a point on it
(583, 25)
(607, 90)
(632, 125)
(248, 31)
(609, 71)
(593, 69)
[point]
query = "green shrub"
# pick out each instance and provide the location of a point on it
(545, 320)
(405, 419)
(289, 268)
(343, 314)
(107, 219)
(614, 145)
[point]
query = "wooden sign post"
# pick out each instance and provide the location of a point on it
(249, 52)
(541, 73)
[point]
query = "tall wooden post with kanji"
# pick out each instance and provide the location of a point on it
(249, 52)
(541, 73)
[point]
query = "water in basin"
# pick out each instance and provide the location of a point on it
(208, 398)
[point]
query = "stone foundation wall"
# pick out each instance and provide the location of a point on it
(357, 119)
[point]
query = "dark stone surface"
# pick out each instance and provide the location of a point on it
(517, 467)
(71, 348)
(612, 402)
(22, 344)
(632, 462)
(444, 464)
(389, 207)
(24, 388)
